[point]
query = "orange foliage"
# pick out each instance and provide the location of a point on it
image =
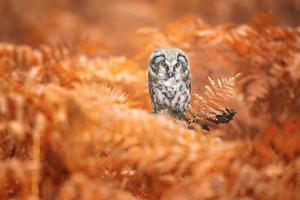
(76, 121)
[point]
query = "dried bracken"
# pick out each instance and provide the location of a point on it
(76, 121)
(211, 109)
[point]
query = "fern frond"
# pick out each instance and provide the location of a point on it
(211, 109)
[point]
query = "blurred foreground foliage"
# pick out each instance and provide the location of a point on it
(77, 125)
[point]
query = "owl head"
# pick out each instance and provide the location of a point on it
(169, 62)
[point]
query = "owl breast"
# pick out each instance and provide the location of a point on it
(171, 96)
(169, 88)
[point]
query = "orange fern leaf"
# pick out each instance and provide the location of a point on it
(211, 109)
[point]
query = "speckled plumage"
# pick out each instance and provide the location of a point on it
(169, 81)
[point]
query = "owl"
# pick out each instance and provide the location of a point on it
(169, 81)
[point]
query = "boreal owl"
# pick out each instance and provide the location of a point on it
(169, 81)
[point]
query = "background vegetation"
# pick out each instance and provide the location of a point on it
(75, 119)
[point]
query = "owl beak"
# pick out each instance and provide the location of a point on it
(170, 74)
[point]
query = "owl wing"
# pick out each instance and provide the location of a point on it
(151, 92)
(189, 83)
(189, 88)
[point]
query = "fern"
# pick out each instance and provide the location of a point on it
(211, 109)
(75, 124)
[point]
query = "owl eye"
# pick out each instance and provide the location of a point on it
(163, 64)
(177, 65)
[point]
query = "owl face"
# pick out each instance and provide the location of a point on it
(169, 63)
